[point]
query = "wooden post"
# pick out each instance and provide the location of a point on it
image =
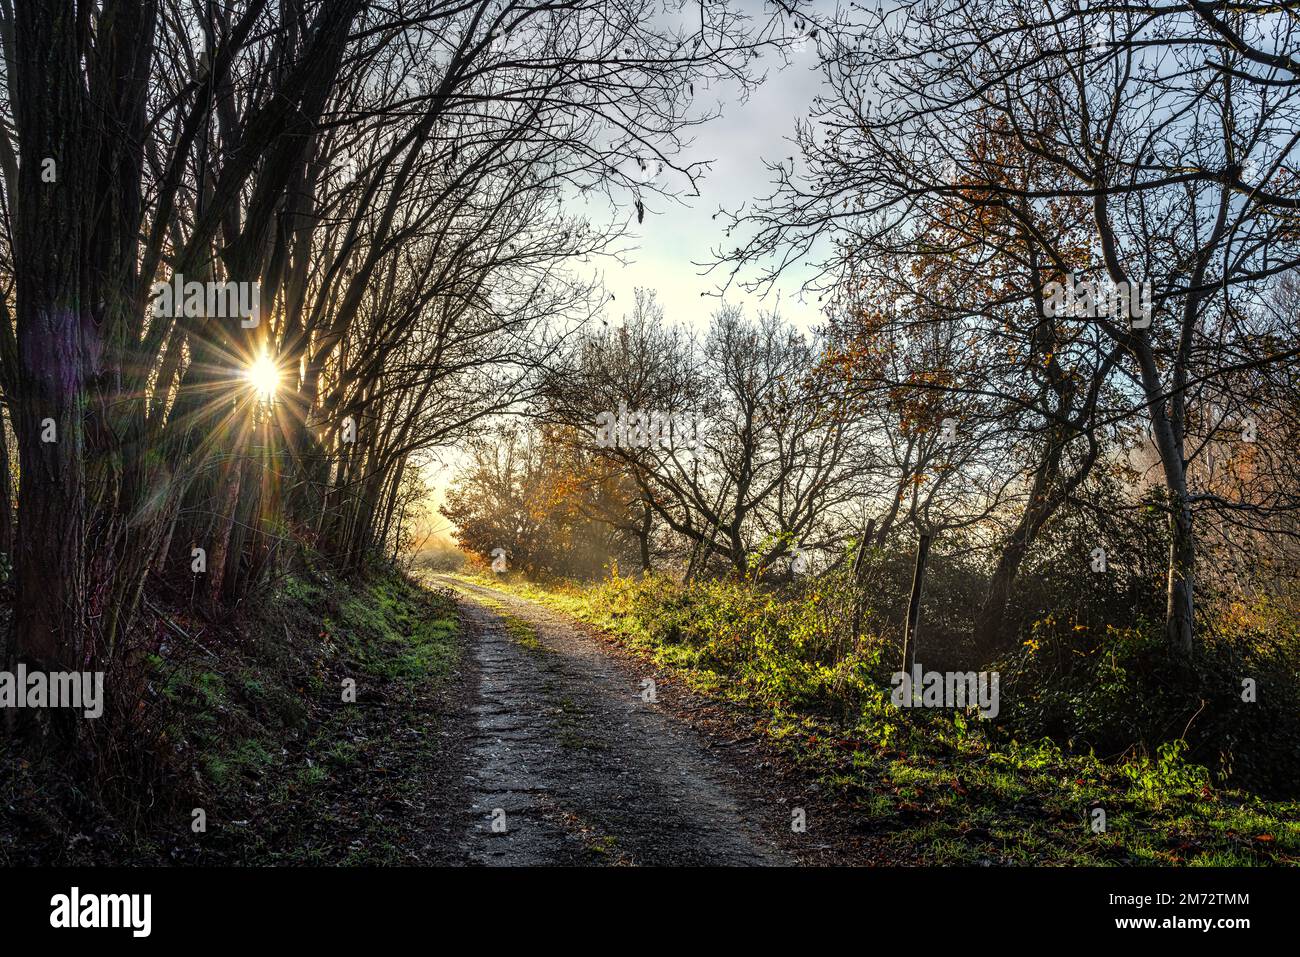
(914, 603)
(859, 573)
(862, 549)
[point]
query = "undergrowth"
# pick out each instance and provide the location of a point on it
(255, 739)
(944, 786)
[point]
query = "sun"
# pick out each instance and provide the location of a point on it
(264, 376)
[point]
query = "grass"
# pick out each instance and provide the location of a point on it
(523, 632)
(247, 721)
(398, 644)
(936, 786)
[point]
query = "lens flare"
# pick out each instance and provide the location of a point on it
(264, 376)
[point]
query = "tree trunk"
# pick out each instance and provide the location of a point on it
(219, 543)
(643, 538)
(988, 626)
(50, 254)
(860, 578)
(1167, 432)
(49, 560)
(1180, 590)
(6, 496)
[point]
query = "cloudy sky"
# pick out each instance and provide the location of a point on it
(675, 236)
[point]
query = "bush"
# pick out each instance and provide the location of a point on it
(1121, 692)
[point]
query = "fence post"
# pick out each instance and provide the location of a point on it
(914, 603)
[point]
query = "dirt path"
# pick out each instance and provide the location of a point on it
(566, 754)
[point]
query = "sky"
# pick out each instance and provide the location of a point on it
(675, 235)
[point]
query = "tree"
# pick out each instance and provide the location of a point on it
(1174, 139)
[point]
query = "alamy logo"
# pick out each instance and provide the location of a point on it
(1088, 300)
(946, 689)
(642, 429)
(195, 299)
(56, 689)
(103, 910)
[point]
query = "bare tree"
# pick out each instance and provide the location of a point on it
(1177, 142)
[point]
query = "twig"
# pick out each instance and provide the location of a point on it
(178, 629)
(1193, 718)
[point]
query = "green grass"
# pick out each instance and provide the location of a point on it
(517, 628)
(246, 727)
(244, 718)
(522, 632)
(392, 636)
(939, 787)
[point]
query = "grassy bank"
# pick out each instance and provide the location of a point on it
(258, 751)
(938, 786)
